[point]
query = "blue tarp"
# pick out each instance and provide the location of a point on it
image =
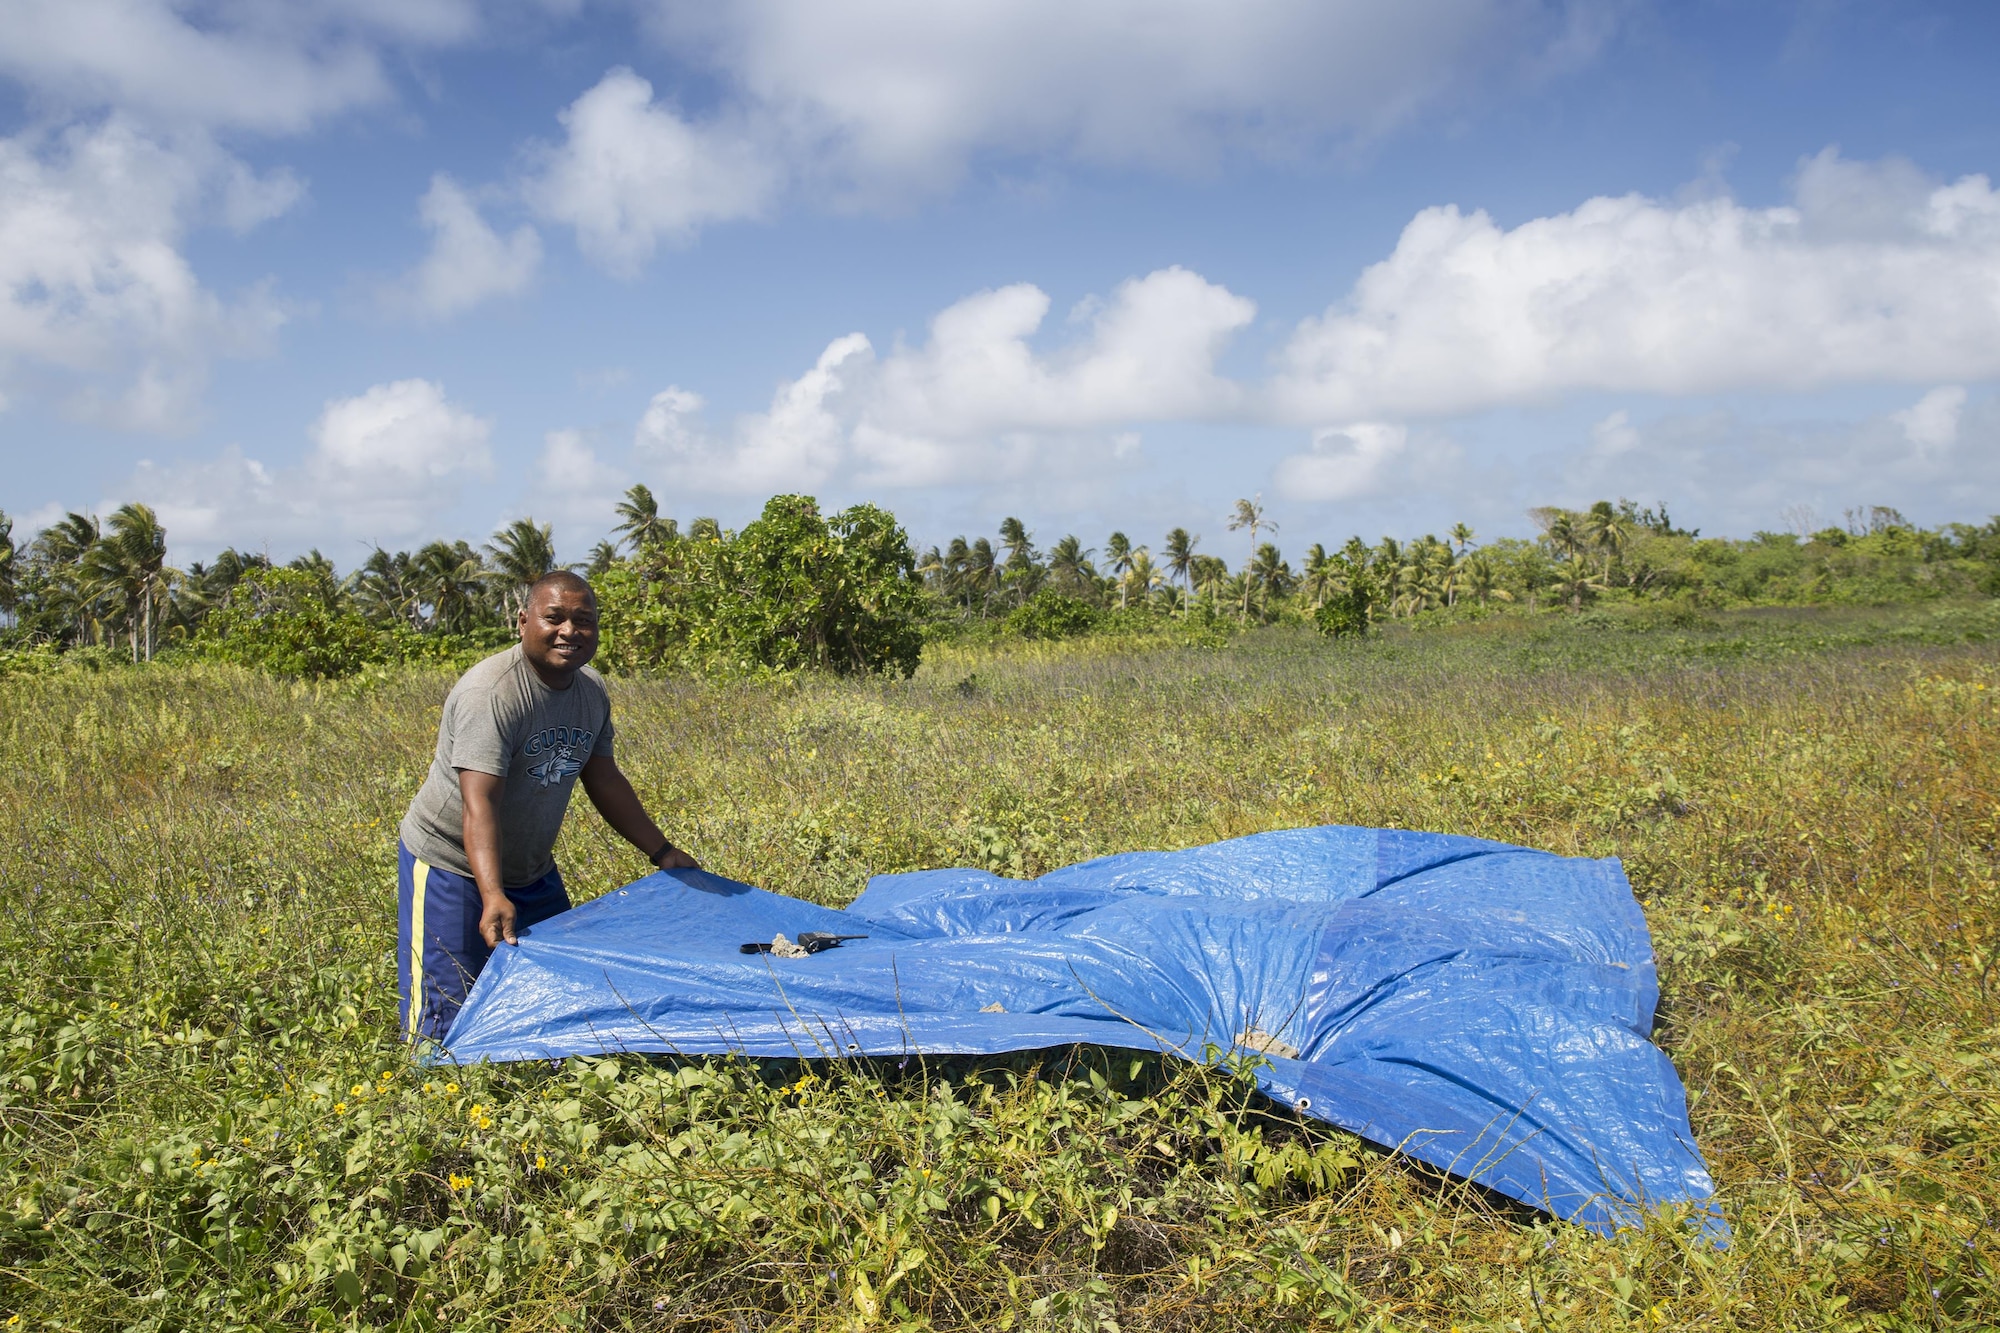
(1481, 1007)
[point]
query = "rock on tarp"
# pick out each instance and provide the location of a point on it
(1483, 1008)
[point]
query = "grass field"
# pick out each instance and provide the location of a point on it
(209, 1124)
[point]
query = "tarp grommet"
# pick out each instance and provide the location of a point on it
(1305, 1103)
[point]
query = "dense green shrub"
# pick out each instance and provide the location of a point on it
(1346, 611)
(290, 622)
(28, 661)
(793, 590)
(839, 594)
(417, 648)
(1052, 615)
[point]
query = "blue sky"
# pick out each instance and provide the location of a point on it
(348, 272)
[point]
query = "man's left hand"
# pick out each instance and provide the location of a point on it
(676, 859)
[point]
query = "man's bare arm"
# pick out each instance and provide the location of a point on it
(480, 793)
(614, 798)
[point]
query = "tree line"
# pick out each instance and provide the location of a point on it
(1616, 549)
(85, 583)
(847, 592)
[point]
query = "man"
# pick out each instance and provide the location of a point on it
(475, 865)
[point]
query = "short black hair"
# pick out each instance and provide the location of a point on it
(559, 578)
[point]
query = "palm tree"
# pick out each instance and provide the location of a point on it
(1386, 561)
(1609, 531)
(641, 526)
(202, 588)
(57, 555)
(1426, 574)
(1069, 564)
(1268, 574)
(1210, 573)
(69, 538)
(521, 552)
(1142, 574)
(232, 565)
(932, 569)
(1318, 575)
(705, 530)
(127, 565)
(1018, 542)
(1576, 580)
(1237, 588)
(982, 573)
(1250, 514)
(957, 557)
(1023, 574)
(312, 562)
(1118, 554)
(1482, 580)
(1180, 557)
(1562, 532)
(451, 580)
(384, 588)
(602, 557)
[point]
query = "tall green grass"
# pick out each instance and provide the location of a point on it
(208, 1123)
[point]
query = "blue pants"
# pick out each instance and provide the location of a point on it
(439, 952)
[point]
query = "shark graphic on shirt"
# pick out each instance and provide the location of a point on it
(566, 749)
(558, 768)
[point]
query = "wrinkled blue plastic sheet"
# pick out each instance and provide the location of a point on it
(1483, 1008)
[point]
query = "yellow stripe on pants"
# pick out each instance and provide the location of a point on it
(419, 881)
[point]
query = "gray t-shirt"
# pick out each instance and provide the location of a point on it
(501, 718)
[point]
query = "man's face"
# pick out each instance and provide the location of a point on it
(559, 629)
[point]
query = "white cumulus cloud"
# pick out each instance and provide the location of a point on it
(976, 397)
(573, 485)
(793, 445)
(1872, 274)
(267, 68)
(121, 162)
(1614, 435)
(468, 262)
(569, 465)
(1150, 354)
(867, 104)
(381, 465)
(891, 95)
(1937, 461)
(1931, 423)
(99, 309)
(672, 422)
(632, 172)
(1344, 463)
(405, 434)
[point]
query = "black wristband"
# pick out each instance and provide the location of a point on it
(665, 847)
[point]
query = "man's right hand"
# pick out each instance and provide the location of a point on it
(496, 920)
(480, 793)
